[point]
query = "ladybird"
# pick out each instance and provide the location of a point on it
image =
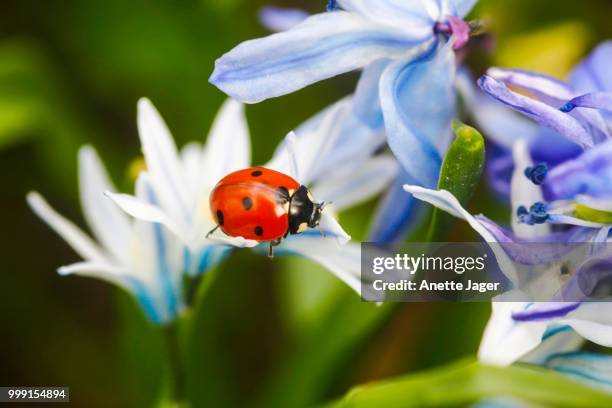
(263, 205)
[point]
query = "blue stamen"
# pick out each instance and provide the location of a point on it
(332, 5)
(537, 173)
(568, 107)
(537, 214)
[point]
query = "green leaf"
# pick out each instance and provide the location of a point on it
(466, 382)
(460, 174)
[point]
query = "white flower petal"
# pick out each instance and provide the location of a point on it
(163, 162)
(343, 261)
(356, 182)
(238, 242)
(99, 270)
(593, 321)
(77, 239)
(157, 258)
(192, 159)
(228, 147)
(108, 223)
(504, 341)
(313, 144)
(330, 226)
(291, 145)
(145, 211)
(449, 203)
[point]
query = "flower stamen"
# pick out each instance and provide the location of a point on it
(332, 5)
(537, 173)
(537, 214)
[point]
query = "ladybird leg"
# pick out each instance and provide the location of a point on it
(274, 243)
(212, 231)
(322, 232)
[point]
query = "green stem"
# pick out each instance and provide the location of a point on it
(175, 362)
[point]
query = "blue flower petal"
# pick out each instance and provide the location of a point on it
(418, 102)
(539, 111)
(594, 100)
(593, 73)
(462, 7)
(589, 174)
(546, 88)
(416, 16)
(280, 18)
(366, 101)
(321, 47)
(397, 214)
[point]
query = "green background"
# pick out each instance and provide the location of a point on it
(281, 332)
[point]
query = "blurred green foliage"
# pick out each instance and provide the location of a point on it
(281, 333)
(466, 383)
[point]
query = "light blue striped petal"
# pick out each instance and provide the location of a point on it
(556, 339)
(415, 17)
(418, 102)
(161, 251)
(462, 7)
(209, 257)
(366, 101)
(356, 182)
(280, 18)
(321, 47)
(592, 368)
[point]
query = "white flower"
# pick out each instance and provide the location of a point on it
(142, 258)
(333, 140)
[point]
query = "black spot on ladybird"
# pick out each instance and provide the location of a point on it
(258, 231)
(256, 173)
(247, 203)
(220, 217)
(282, 195)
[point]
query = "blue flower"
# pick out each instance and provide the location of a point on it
(141, 257)
(407, 60)
(522, 327)
(568, 117)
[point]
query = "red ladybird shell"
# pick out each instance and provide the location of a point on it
(253, 203)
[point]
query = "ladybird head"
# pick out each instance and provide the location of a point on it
(303, 211)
